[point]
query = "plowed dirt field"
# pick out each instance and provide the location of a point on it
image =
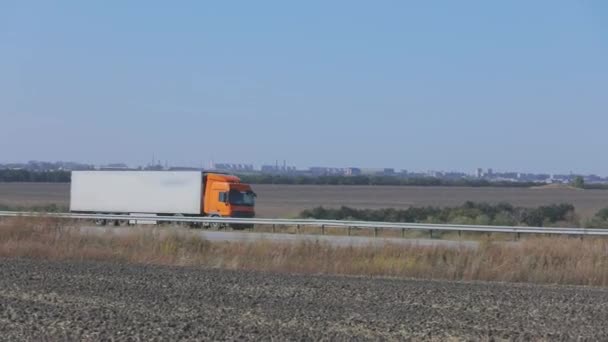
(67, 301)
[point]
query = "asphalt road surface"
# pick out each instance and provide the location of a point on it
(334, 240)
(89, 301)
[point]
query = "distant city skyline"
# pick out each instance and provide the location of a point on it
(450, 85)
(479, 172)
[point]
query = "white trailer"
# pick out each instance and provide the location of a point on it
(146, 192)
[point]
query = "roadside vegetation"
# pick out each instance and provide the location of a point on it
(470, 213)
(502, 214)
(599, 220)
(537, 260)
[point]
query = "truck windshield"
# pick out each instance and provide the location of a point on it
(237, 197)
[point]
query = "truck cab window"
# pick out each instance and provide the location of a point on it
(223, 197)
(245, 198)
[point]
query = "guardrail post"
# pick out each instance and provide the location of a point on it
(322, 229)
(431, 233)
(375, 232)
(402, 233)
(460, 234)
(273, 228)
(348, 230)
(298, 228)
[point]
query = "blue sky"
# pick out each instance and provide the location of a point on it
(450, 85)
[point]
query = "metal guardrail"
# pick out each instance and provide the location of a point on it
(321, 223)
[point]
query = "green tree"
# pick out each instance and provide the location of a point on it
(578, 182)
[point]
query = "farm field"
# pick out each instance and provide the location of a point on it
(290, 200)
(165, 284)
(42, 300)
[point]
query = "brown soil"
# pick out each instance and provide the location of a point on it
(94, 301)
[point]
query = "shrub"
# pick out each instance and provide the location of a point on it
(502, 214)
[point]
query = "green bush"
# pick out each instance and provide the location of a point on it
(8, 175)
(502, 214)
(599, 220)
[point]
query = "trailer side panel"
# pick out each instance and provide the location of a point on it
(169, 192)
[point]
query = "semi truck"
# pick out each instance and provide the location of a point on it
(162, 193)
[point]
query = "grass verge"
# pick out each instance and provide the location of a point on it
(539, 260)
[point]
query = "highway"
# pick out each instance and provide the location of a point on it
(339, 241)
(344, 224)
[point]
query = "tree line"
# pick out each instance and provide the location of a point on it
(378, 180)
(11, 175)
(61, 176)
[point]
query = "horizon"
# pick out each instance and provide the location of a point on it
(257, 167)
(443, 86)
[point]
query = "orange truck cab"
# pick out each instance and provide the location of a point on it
(226, 196)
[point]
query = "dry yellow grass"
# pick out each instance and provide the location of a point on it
(538, 260)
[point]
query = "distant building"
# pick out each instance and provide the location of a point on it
(278, 169)
(321, 171)
(330, 171)
(47, 166)
(388, 172)
(157, 167)
(352, 171)
(434, 174)
(269, 169)
(233, 167)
